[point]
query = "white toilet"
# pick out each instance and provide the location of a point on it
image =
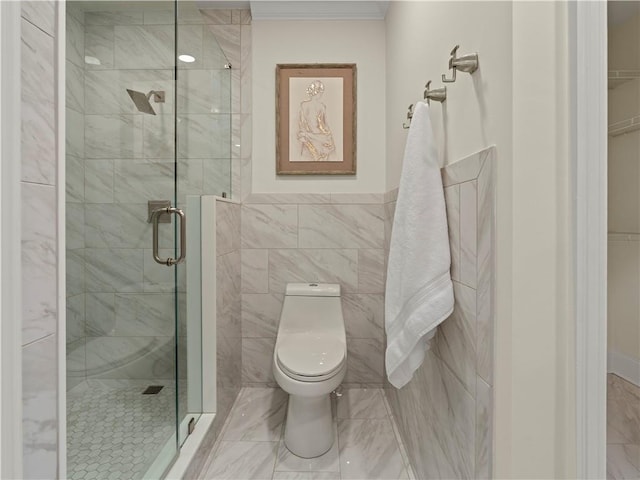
(309, 362)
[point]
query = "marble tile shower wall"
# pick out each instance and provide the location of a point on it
(129, 159)
(337, 238)
(39, 239)
(445, 412)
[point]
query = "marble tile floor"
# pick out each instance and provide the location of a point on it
(115, 432)
(623, 429)
(251, 445)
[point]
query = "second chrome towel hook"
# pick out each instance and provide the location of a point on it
(466, 63)
(437, 94)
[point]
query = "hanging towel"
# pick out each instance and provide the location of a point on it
(419, 291)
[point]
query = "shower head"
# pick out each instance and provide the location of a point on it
(142, 101)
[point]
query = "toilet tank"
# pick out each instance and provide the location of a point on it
(311, 308)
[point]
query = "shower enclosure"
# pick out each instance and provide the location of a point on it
(148, 130)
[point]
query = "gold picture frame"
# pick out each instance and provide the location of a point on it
(316, 119)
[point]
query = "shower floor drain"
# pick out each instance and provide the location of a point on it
(153, 390)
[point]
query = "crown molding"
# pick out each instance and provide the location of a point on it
(318, 10)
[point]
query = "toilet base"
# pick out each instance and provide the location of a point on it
(308, 431)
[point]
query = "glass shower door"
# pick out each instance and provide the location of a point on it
(148, 127)
(121, 303)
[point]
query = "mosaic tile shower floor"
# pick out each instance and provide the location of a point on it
(115, 432)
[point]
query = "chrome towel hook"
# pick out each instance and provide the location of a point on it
(437, 94)
(466, 63)
(409, 117)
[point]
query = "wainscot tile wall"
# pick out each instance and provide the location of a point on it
(39, 240)
(445, 413)
(313, 238)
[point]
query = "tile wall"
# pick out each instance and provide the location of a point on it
(228, 325)
(128, 160)
(332, 238)
(39, 240)
(228, 308)
(445, 412)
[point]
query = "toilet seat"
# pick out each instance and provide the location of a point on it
(310, 357)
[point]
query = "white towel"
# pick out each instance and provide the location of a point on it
(419, 292)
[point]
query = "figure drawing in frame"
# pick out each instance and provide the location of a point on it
(314, 133)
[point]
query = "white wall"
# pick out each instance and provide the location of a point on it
(624, 45)
(518, 100)
(623, 308)
(477, 112)
(360, 42)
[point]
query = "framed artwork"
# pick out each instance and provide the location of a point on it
(316, 119)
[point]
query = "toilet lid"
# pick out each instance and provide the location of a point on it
(310, 355)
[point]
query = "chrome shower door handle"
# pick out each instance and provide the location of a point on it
(155, 215)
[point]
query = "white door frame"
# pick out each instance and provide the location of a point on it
(10, 249)
(588, 46)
